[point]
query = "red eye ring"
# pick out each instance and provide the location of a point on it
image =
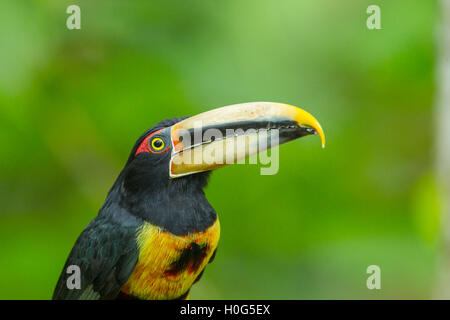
(150, 144)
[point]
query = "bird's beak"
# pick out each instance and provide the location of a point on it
(226, 135)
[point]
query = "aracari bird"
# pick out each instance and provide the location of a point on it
(156, 231)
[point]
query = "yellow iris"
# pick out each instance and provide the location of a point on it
(157, 144)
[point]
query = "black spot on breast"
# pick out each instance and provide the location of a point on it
(190, 259)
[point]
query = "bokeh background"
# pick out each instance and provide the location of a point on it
(73, 102)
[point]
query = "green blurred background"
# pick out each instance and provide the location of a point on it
(72, 104)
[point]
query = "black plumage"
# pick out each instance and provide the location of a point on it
(107, 250)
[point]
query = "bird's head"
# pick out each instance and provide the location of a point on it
(183, 147)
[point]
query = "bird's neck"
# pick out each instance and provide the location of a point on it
(178, 206)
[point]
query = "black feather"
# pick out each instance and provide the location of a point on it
(106, 251)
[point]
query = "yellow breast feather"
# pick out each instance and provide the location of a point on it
(169, 264)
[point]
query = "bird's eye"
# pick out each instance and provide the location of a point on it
(157, 144)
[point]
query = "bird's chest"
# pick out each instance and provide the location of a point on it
(169, 264)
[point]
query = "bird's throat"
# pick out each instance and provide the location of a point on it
(178, 206)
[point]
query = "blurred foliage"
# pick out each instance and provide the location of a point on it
(72, 104)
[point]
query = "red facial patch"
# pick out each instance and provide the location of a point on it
(145, 144)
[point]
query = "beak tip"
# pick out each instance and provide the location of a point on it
(320, 133)
(305, 118)
(322, 138)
